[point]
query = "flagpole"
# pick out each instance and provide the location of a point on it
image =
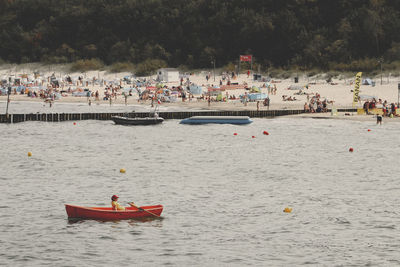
(239, 66)
(214, 68)
(251, 64)
(8, 95)
(8, 100)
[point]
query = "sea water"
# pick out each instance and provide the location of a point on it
(223, 194)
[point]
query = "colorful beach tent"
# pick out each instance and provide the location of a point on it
(367, 81)
(254, 96)
(257, 96)
(255, 89)
(195, 89)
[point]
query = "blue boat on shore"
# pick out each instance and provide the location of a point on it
(217, 119)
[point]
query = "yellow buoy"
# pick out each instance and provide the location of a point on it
(122, 170)
(29, 154)
(287, 210)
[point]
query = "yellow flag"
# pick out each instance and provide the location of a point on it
(357, 88)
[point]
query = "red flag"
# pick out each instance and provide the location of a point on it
(245, 57)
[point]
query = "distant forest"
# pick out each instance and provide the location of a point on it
(323, 34)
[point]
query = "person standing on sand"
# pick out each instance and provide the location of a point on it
(266, 102)
(306, 108)
(393, 109)
(183, 96)
(384, 109)
(126, 98)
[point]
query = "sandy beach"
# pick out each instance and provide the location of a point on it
(339, 91)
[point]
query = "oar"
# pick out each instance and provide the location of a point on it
(133, 205)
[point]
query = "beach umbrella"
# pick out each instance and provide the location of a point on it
(255, 89)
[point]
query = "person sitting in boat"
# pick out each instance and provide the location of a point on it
(116, 206)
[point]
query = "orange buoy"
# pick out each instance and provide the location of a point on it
(234, 133)
(29, 154)
(266, 133)
(351, 149)
(369, 130)
(287, 210)
(122, 170)
(253, 136)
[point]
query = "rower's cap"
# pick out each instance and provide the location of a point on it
(114, 197)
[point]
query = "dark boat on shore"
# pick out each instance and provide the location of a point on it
(137, 121)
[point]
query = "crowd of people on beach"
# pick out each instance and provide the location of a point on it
(387, 109)
(315, 104)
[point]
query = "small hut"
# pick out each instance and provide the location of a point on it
(168, 75)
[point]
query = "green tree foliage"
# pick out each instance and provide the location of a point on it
(193, 33)
(122, 66)
(87, 64)
(149, 66)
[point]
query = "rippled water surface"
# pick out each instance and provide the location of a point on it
(223, 194)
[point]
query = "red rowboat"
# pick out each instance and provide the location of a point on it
(107, 213)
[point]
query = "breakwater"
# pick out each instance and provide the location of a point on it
(58, 117)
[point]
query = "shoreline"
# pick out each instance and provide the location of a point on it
(52, 115)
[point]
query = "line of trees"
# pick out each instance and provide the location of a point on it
(340, 34)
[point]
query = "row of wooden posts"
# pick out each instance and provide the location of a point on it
(57, 117)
